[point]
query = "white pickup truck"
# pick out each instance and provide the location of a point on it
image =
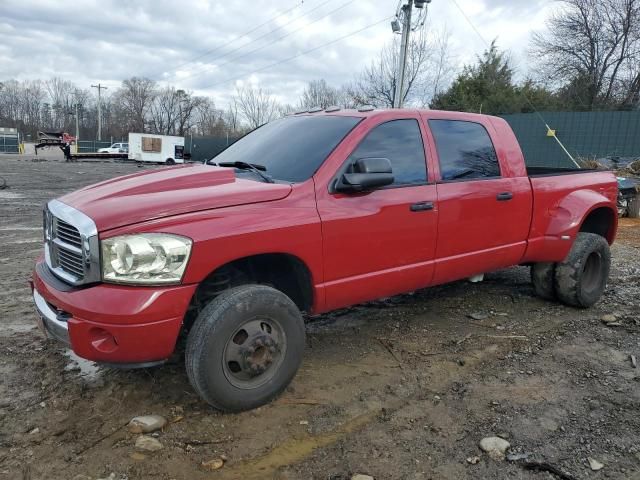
(116, 148)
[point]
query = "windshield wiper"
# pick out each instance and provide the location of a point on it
(254, 167)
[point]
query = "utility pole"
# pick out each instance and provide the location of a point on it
(404, 46)
(100, 88)
(77, 129)
(404, 12)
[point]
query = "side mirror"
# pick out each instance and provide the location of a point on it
(366, 174)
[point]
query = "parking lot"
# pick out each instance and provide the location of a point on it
(402, 388)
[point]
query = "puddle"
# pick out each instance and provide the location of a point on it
(89, 371)
(294, 450)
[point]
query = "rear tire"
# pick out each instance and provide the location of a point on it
(245, 347)
(542, 277)
(581, 278)
(170, 161)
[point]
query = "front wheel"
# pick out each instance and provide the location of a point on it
(170, 161)
(245, 347)
(581, 278)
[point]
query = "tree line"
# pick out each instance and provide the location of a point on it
(140, 104)
(588, 58)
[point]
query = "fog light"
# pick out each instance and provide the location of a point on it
(102, 340)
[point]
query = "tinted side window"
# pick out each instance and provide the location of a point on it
(400, 141)
(465, 150)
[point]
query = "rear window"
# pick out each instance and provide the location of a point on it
(291, 148)
(465, 150)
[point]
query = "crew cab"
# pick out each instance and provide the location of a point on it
(309, 213)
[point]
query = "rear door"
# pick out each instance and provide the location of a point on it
(381, 242)
(485, 210)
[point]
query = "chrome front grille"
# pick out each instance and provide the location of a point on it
(71, 244)
(71, 262)
(68, 233)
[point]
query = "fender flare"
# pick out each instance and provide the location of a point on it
(569, 215)
(566, 219)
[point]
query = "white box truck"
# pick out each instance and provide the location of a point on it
(147, 147)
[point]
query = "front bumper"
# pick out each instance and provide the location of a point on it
(50, 324)
(113, 323)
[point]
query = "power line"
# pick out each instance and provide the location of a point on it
(204, 71)
(230, 79)
(550, 132)
(215, 49)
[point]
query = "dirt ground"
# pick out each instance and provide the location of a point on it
(403, 388)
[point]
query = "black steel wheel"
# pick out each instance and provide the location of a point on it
(245, 347)
(254, 352)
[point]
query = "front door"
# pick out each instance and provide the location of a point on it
(382, 242)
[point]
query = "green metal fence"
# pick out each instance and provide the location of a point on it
(584, 134)
(9, 144)
(204, 148)
(89, 146)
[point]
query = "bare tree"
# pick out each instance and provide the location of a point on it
(232, 117)
(61, 96)
(591, 47)
(134, 99)
(187, 108)
(428, 71)
(208, 119)
(318, 93)
(440, 69)
(256, 105)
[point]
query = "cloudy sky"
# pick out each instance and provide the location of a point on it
(209, 46)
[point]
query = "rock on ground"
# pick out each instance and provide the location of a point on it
(595, 465)
(146, 423)
(495, 447)
(148, 444)
(215, 464)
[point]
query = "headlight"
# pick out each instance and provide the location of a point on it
(146, 258)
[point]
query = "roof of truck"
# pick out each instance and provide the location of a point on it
(365, 112)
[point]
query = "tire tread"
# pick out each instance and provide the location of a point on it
(567, 275)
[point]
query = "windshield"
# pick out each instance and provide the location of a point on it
(291, 148)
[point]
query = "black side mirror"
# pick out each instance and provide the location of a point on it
(366, 174)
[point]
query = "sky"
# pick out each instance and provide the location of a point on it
(211, 47)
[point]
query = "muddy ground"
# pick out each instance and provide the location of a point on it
(398, 389)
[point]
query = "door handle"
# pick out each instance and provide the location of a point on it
(504, 196)
(421, 206)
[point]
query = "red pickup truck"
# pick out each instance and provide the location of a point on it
(309, 213)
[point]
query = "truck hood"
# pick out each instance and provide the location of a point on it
(168, 191)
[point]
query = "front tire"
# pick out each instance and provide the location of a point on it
(170, 161)
(245, 347)
(581, 278)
